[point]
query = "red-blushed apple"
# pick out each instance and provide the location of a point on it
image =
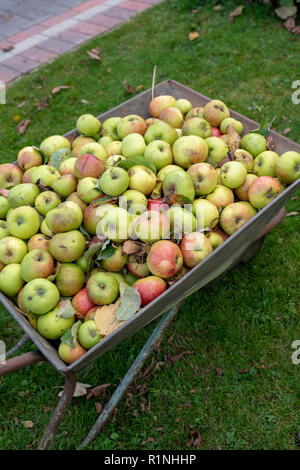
(26, 178)
(215, 111)
(172, 116)
(157, 205)
(37, 264)
(88, 165)
(40, 296)
(131, 124)
(149, 288)
(263, 190)
(151, 121)
(116, 262)
(204, 178)
(70, 279)
(159, 103)
(234, 216)
(151, 226)
(88, 334)
(82, 303)
(10, 175)
(233, 174)
(188, 150)
(102, 288)
(245, 158)
(196, 126)
(138, 269)
(221, 196)
(65, 185)
(287, 167)
(92, 215)
(215, 132)
(68, 354)
(194, 248)
(38, 242)
(164, 259)
(242, 191)
(67, 166)
(29, 157)
(20, 303)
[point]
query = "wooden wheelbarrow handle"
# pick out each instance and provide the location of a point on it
(21, 361)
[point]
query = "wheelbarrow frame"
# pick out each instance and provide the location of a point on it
(221, 260)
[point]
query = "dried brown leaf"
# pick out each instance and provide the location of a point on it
(95, 54)
(98, 407)
(177, 357)
(289, 24)
(47, 409)
(57, 89)
(28, 424)
(195, 440)
(105, 318)
(130, 247)
(270, 143)
(193, 35)
(234, 139)
(130, 89)
(287, 130)
(23, 126)
(219, 371)
(218, 7)
(99, 391)
(236, 12)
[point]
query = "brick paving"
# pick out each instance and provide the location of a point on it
(33, 32)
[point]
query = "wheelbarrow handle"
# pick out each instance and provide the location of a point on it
(18, 362)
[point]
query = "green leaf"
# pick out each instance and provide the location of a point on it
(59, 156)
(70, 336)
(93, 251)
(107, 251)
(265, 129)
(84, 232)
(56, 271)
(66, 309)
(138, 160)
(130, 303)
(103, 200)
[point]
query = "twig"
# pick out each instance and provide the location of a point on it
(153, 81)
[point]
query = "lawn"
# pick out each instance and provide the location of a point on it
(239, 388)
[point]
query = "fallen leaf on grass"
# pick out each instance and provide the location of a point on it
(23, 126)
(150, 439)
(290, 214)
(98, 407)
(80, 390)
(236, 12)
(289, 24)
(130, 89)
(218, 7)
(47, 409)
(172, 359)
(41, 104)
(99, 391)
(287, 130)
(195, 440)
(194, 35)
(16, 420)
(219, 371)
(28, 424)
(57, 89)
(286, 12)
(95, 54)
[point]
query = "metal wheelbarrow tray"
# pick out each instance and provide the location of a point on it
(216, 264)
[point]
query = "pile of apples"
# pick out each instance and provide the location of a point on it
(94, 227)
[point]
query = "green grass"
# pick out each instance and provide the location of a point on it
(245, 323)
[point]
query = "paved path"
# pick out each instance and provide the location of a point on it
(33, 32)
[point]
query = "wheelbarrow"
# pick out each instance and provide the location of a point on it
(240, 247)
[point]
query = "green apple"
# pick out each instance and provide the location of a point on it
(287, 167)
(67, 216)
(105, 140)
(102, 288)
(53, 143)
(4, 207)
(254, 143)
(142, 179)
(237, 125)
(75, 198)
(183, 105)
(197, 111)
(12, 250)
(109, 127)
(46, 201)
(70, 279)
(52, 326)
(161, 130)
(264, 163)
(234, 216)
(133, 145)
(221, 196)
(113, 148)
(37, 264)
(233, 174)
(10, 279)
(114, 181)
(179, 182)
(67, 247)
(23, 194)
(45, 230)
(40, 296)
(181, 220)
(86, 189)
(23, 222)
(46, 174)
(3, 229)
(115, 225)
(245, 158)
(88, 125)
(151, 226)
(167, 169)
(92, 215)
(196, 126)
(133, 201)
(204, 178)
(217, 150)
(116, 262)
(93, 149)
(206, 213)
(65, 185)
(88, 334)
(188, 150)
(67, 167)
(159, 153)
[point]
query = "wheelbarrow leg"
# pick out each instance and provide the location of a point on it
(132, 373)
(17, 346)
(59, 412)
